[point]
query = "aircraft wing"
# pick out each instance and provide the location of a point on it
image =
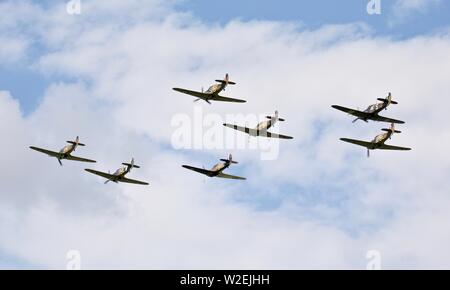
(199, 170)
(353, 112)
(193, 93)
(45, 151)
(128, 180)
(273, 135)
(365, 115)
(223, 175)
(250, 131)
(390, 147)
(358, 142)
(75, 158)
(102, 174)
(254, 132)
(227, 99)
(385, 119)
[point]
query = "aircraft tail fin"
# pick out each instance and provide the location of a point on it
(226, 80)
(276, 117)
(76, 142)
(230, 160)
(131, 164)
(392, 129)
(388, 100)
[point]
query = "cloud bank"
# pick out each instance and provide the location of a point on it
(320, 204)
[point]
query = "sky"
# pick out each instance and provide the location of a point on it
(309, 203)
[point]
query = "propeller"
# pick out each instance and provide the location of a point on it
(196, 100)
(368, 153)
(107, 179)
(60, 163)
(357, 108)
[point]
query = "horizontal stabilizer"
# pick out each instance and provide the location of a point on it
(226, 160)
(389, 130)
(131, 165)
(73, 143)
(279, 119)
(385, 100)
(222, 81)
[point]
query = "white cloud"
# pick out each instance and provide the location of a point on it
(332, 204)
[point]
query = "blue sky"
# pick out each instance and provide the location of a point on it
(111, 85)
(314, 14)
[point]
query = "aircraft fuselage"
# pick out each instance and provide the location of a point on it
(219, 167)
(266, 125)
(215, 89)
(380, 139)
(376, 108)
(66, 151)
(120, 173)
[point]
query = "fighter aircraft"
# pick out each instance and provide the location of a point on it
(119, 175)
(261, 129)
(371, 113)
(65, 153)
(212, 94)
(378, 141)
(217, 170)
